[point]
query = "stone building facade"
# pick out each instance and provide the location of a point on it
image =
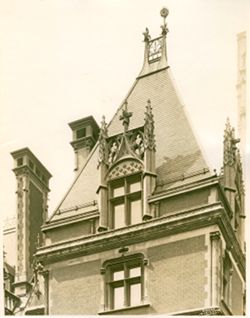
(146, 227)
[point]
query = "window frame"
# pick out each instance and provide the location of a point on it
(126, 198)
(124, 264)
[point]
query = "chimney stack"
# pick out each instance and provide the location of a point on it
(32, 195)
(85, 135)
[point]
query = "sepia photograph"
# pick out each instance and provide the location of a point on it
(124, 157)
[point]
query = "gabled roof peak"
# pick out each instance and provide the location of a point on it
(155, 54)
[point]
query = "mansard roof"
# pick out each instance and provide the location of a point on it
(179, 159)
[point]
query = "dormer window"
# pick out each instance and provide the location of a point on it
(125, 201)
(124, 187)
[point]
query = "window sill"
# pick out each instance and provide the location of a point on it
(113, 311)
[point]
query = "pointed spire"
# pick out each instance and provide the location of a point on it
(125, 117)
(149, 137)
(103, 147)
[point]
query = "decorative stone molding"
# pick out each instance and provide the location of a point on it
(85, 142)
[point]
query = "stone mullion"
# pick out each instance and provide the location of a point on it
(148, 181)
(46, 277)
(215, 268)
(102, 193)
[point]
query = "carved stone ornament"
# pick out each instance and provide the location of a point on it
(155, 49)
(211, 312)
(125, 117)
(124, 168)
(103, 146)
(215, 235)
(149, 137)
(129, 144)
(229, 145)
(146, 35)
(239, 174)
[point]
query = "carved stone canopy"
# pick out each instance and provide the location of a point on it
(131, 143)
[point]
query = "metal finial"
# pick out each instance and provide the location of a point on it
(164, 13)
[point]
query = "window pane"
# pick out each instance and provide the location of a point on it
(135, 212)
(135, 294)
(119, 216)
(118, 191)
(118, 297)
(136, 186)
(135, 272)
(118, 275)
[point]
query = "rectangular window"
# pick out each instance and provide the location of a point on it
(80, 133)
(19, 162)
(126, 201)
(31, 165)
(124, 284)
(119, 216)
(135, 211)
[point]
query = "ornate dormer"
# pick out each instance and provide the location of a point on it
(233, 180)
(127, 172)
(155, 56)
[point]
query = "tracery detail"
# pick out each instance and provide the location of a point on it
(131, 143)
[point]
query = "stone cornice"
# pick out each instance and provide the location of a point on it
(20, 171)
(168, 225)
(87, 141)
(78, 218)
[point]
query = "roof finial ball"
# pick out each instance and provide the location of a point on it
(164, 13)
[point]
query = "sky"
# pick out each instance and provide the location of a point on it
(62, 60)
